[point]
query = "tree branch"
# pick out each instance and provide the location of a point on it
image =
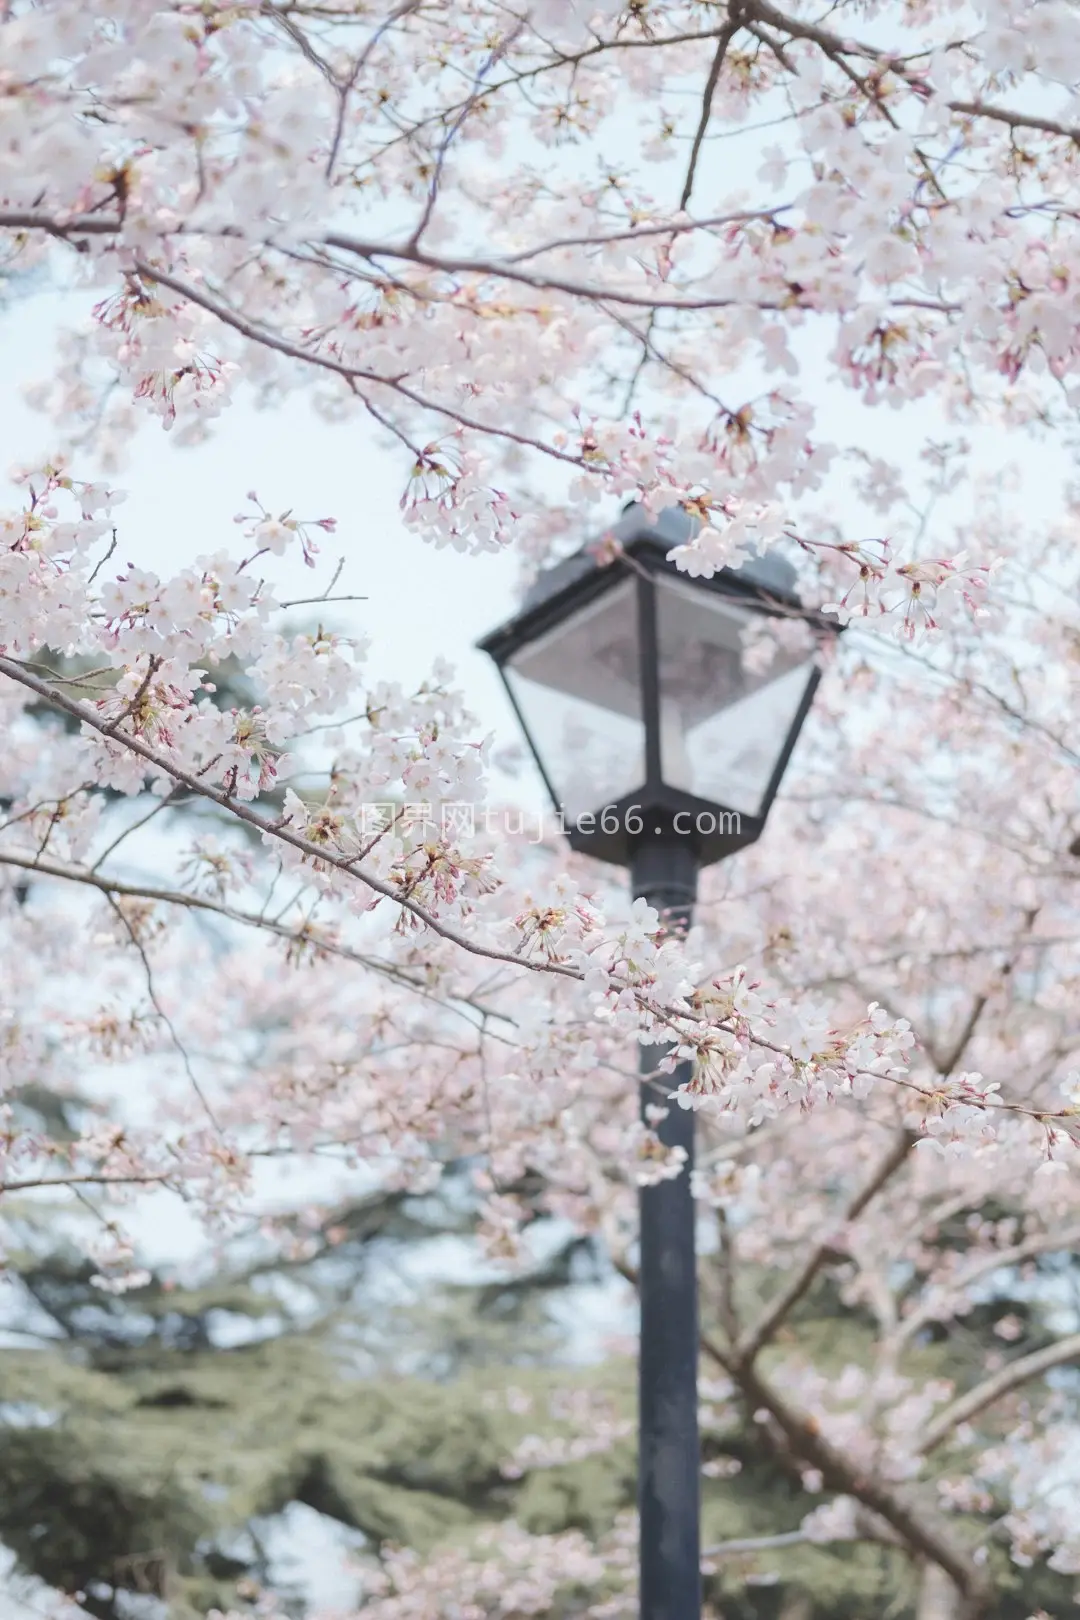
(1000, 1383)
(1015, 120)
(155, 1002)
(1060, 1242)
(914, 1531)
(753, 1342)
(919, 1532)
(754, 1544)
(866, 1529)
(144, 1179)
(835, 46)
(724, 40)
(302, 935)
(278, 830)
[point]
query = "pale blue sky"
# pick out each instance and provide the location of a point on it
(422, 603)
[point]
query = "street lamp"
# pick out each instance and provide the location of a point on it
(662, 745)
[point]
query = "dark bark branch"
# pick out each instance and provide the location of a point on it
(918, 1531)
(1016, 120)
(707, 99)
(753, 1342)
(836, 47)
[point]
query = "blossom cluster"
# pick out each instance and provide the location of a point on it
(250, 201)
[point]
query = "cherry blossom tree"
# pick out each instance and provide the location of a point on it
(512, 242)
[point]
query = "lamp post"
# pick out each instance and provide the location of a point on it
(662, 752)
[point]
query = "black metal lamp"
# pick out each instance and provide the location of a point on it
(663, 752)
(629, 681)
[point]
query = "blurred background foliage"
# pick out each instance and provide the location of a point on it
(154, 1443)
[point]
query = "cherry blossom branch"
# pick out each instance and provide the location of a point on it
(270, 340)
(1063, 1241)
(726, 36)
(305, 934)
(303, 43)
(755, 1544)
(66, 225)
(350, 865)
(543, 281)
(504, 269)
(1016, 120)
(91, 1179)
(151, 990)
(168, 802)
(673, 227)
(913, 1529)
(865, 1530)
(796, 28)
(559, 59)
(753, 1342)
(453, 127)
(836, 47)
(921, 1533)
(279, 830)
(1000, 1383)
(63, 225)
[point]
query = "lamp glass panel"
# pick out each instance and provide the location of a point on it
(579, 690)
(723, 726)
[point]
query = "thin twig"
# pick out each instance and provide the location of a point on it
(162, 1014)
(724, 40)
